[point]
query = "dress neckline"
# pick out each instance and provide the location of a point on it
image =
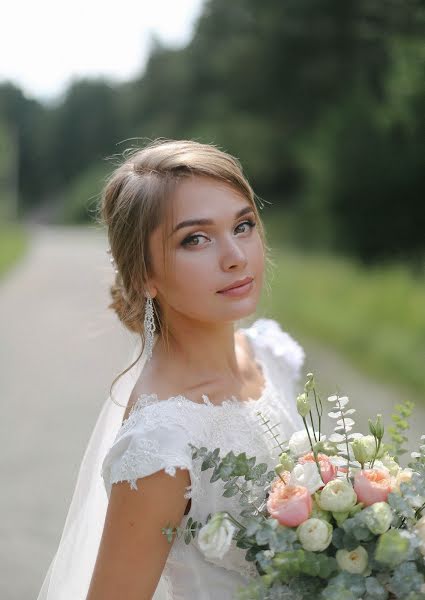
(152, 398)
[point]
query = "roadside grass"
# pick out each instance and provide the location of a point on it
(13, 244)
(376, 317)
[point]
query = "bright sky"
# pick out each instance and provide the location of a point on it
(47, 43)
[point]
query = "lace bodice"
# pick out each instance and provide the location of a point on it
(157, 433)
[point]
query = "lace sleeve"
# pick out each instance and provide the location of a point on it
(268, 333)
(284, 358)
(148, 441)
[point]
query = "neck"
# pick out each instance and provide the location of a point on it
(207, 348)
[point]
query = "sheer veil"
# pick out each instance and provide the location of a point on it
(70, 571)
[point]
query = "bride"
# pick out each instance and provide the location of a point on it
(189, 253)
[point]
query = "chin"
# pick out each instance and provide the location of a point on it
(240, 310)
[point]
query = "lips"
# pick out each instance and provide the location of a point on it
(236, 284)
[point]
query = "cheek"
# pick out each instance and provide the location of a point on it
(195, 271)
(192, 284)
(256, 261)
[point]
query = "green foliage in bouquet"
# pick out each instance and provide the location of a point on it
(363, 535)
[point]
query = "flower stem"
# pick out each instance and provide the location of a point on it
(319, 414)
(419, 510)
(377, 445)
(312, 426)
(312, 447)
(235, 521)
(346, 440)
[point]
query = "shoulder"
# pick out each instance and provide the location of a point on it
(268, 335)
(155, 436)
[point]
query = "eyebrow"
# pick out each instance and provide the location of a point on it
(190, 222)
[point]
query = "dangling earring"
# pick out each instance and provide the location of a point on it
(149, 326)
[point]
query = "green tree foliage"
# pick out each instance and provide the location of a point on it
(322, 100)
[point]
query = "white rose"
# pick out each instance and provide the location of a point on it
(307, 475)
(315, 534)
(354, 561)
(215, 537)
(299, 443)
(338, 495)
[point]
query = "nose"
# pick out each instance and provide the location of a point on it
(233, 255)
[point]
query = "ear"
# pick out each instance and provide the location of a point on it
(151, 289)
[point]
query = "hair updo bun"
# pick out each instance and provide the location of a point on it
(123, 308)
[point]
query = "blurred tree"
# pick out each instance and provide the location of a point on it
(322, 101)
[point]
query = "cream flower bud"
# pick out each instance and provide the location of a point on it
(354, 562)
(303, 404)
(315, 534)
(338, 495)
(364, 448)
(286, 461)
(310, 383)
(377, 428)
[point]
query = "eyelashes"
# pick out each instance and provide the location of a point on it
(188, 239)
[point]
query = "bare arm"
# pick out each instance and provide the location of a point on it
(133, 550)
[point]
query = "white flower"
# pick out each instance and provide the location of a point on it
(338, 495)
(315, 534)
(306, 474)
(354, 561)
(215, 537)
(299, 443)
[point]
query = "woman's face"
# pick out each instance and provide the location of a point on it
(206, 257)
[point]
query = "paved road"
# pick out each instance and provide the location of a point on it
(60, 349)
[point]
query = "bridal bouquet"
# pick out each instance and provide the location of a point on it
(339, 519)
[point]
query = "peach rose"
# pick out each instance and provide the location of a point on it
(372, 485)
(291, 505)
(328, 471)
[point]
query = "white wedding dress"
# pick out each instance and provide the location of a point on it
(156, 436)
(157, 433)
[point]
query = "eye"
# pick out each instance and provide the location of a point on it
(250, 222)
(189, 238)
(187, 241)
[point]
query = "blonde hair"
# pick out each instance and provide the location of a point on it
(136, 200)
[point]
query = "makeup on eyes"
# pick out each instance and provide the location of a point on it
(186, 240)
(205, 221)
